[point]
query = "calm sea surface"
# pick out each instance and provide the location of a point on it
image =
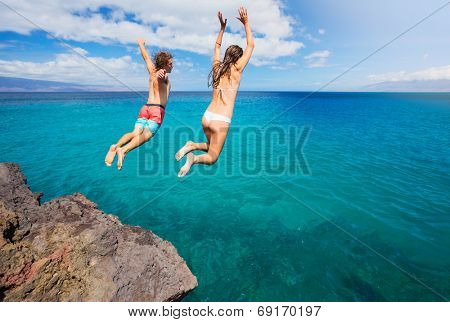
(345, 197)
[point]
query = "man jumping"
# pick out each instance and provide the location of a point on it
(151, 114)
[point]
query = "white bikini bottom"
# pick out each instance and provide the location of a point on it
(210, 116)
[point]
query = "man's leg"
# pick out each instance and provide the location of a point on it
(123, 140)
(127, 137)
(133, 144)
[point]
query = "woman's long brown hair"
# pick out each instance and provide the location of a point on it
(232, 55)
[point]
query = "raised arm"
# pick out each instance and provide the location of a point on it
(148, 61)
(243, 61)
(223, 24)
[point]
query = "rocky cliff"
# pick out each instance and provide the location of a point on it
(69, 250)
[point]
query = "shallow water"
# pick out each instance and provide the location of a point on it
(368, 219)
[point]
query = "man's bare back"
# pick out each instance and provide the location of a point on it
(158, 90)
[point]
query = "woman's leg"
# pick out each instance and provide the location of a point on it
(219, 131)
(190, 146)
(206, 129)
(138, 140)
(123, 140)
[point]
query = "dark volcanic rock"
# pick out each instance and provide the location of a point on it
(68, 250)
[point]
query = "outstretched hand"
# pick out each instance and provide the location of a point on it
(223, 23)
(141, 41)
(243, 17)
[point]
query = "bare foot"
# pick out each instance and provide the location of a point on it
(110, 155)
(188, 147)
(120, 157)
(187, 166)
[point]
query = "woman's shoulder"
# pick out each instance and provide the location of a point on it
(236, 74)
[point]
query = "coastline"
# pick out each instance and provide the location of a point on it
(68, 250)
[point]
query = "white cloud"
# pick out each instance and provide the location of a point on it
(70, 67)
(317, 58)
(433, 73)
(183, 63)
(321, 31)
(285, 66)
(11, 44)
(307, 35)
(118, 73)
(80, 51)
(182, 66)
(172, 24)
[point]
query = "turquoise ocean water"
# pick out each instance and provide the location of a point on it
(369, 221)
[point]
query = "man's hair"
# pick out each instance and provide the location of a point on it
(162, 59)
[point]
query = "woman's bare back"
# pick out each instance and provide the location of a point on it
(224, 95)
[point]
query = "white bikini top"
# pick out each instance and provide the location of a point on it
(225, 89)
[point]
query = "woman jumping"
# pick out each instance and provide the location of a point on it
(225, 77)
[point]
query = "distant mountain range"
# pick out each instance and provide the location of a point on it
(442, 85)
(13, 84)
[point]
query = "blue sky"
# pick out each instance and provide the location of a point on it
(300, 45)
